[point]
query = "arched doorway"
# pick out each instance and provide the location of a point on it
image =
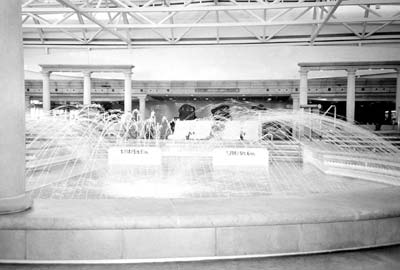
(187, 112)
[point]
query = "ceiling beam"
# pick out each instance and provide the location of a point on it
(101, 30)
(171, 14)
(367, 8)
(347, 26)
(366, 14)
(251, 13)
(190, 28)
(284, 26)
(46, 22)
(92, 19)
(84, 31)
(383, 25)
(40, 30)
(326, 19)
(128, 33)
(244, 27)
(211, 7)
(97, 16)
(389, 20)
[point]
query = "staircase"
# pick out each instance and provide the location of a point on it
(285, 151)
(392, 136)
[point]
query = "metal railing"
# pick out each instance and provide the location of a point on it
(334, 114)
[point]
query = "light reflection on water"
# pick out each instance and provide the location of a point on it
(67, 157)
(201, 181)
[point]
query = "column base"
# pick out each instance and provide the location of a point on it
(15, 204)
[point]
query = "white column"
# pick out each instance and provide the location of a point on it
(27, 102)
(128, 92)
(351, 95)
(87, 100)
(142, 106)
(46, 91)
(12, 112)
(398, 99)
(296, 107)
(295, 102)
(303, 91)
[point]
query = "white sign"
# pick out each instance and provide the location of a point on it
(241, 157)
(134, 156)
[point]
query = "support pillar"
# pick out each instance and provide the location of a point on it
(87, 100)
(296, 107)
(27, 102)
(398, 99)
(295, 102)
(12, 112)
(351, 95)
(142, 106)
(303, 100)
(128, 92)
(46, 91)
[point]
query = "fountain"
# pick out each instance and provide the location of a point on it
(249, 183)
(92, 154)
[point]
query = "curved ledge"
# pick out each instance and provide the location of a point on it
(190, 228)
(208, 212)
(15, 204)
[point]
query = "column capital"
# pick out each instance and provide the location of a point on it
(303, 71)
(45, 73)
(351, 71)
(127, 72)
(86, 73)
(140, 96)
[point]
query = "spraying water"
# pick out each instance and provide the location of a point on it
(67, 154)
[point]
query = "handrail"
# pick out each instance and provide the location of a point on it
(334, 116)
(334, 113)
(266, 136)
